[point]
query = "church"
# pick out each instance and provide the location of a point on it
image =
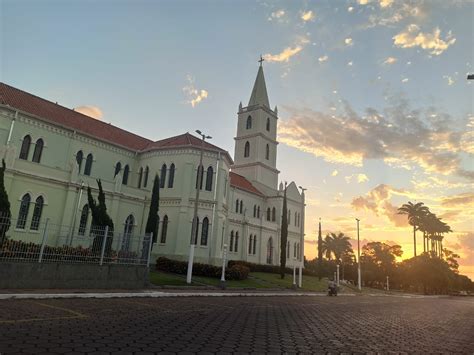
(53, 153)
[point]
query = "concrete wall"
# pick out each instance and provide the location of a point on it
(44, 275)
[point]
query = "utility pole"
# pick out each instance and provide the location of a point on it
(359, 282)
(194, 229)
(300, 275)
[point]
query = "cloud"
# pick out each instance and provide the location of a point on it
(465, 199)
(334, 173)
(389, 61)
(350, 9)
(404, 80)
(361, 178)
(449, 79)
(194, 96)
(363, 2)
(398, 135)
(377, 201)
(385, 3)
(276, 15)
(348, 41)
(413, 37)
(350, 64)
(91, 111)
(307, 16)
(283, 56)
(323, 58)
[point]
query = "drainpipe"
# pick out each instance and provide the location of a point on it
(214, 212)
(11, 128)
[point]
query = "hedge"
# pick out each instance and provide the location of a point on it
(233, 272)
(273, 269)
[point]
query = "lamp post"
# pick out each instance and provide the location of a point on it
(300, 275)
(200, 173)
(224, 255)
(359, 285)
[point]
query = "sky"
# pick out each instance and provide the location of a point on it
(375, 109)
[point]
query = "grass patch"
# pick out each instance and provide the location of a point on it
(256, 280)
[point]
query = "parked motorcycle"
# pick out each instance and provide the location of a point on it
(332, 290)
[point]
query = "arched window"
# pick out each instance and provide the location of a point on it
(38, 151)
(237, 206)
(267, 152)
(254, 244)
(231, 243)
(236, 246)
(118, 168)
(268, 214)
(88, 167)
(258, 212)
(145, 181)
(249, 122)
(35, 221)
(270, 251)
(296, 219)
(140, 176)
(23, 213)
(294, 250)
(25, 147)
(298, 251)
(79, 157)
(155, 234)
(274, 214)
(204, 231)
(196, 230)
(126, 171)
(247, 150)
(83, 220)
(289, 217)
(128, 227)
(171, 177)
(241, 206)
(254, 211)
(127, 232)
(199, 176)
(288, 250)
(250, 244)
(164, 229)
(209, 176)
(163, 176)
(268, 124)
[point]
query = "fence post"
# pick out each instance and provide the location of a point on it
(106, 235)
(43, 242)
(150, 241)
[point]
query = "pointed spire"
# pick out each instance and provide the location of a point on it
(240, 106)
(259, 93)
(276, 110)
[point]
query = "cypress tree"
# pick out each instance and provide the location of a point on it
(5, 214)
(152, 222)
(100, 218)
(284, 236)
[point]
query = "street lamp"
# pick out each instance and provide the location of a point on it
(358, 257)
(300, 274)
(194, 229)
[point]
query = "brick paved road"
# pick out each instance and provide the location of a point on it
(237, 324)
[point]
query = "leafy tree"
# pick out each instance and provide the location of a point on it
(100, 219)
(284, 236)
(328, 246)
(450, 258)
(415, 213)
(341, 245)
(379, 261)
(152, 222)
(5, 214)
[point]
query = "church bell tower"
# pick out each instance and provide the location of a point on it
(255, 144)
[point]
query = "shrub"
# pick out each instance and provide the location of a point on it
(272, 269)
(199, 269)
(237, 272)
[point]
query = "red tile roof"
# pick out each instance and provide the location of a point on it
(242, 183)
(66, 117)
(63, 116)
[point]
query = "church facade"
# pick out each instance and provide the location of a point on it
(53, 153)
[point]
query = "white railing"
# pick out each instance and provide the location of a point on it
(46, 242)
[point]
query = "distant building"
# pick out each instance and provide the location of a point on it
(51, 151)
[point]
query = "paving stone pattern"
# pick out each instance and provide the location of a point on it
(257, 325)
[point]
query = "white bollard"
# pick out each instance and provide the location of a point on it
(224, 255)
(337, 275)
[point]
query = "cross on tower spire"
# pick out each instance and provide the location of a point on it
(261, 60)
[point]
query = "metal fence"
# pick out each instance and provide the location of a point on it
(52, 243)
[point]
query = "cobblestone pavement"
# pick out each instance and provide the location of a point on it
(237, 324)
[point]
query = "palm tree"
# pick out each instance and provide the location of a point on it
(435, 228)
(341, 245)
(328, 247)
(415, 213)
